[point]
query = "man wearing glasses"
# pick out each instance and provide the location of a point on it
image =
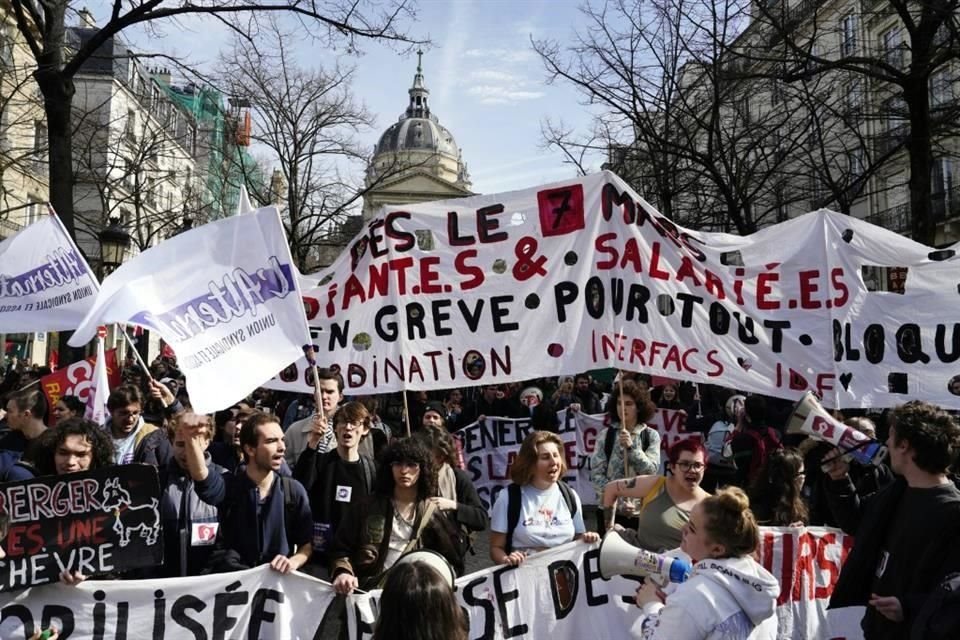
(336, 480)
(133, 439)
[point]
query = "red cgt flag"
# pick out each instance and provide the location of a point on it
(77, 379)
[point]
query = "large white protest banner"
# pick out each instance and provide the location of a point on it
(45, 284)
(807, 562)
(256, 603)
(224, 296)
(490, 447)
(556, 594)
(585, 274)
(559, 594)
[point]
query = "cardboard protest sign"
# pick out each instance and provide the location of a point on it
(585, 274)
(45, 284)
(93, 522)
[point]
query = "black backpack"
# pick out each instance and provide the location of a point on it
(939, 616)
(513, 508)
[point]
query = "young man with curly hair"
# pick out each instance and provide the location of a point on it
(906, 541)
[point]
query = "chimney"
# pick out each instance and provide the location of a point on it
(87, 20)
(161, 75)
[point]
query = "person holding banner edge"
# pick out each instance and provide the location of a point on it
(546, 516)
(316, 431)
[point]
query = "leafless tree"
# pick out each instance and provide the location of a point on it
(908, 72)
(23, 144)
(308, 121)
(43, 26)
(137, 168)
(675, 116)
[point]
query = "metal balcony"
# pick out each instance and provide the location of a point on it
(945, 206)
(895, 219)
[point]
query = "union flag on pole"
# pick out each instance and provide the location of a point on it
(77, 379)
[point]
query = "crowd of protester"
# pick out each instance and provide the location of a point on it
(341, 492)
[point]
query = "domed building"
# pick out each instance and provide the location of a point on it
(416, 158)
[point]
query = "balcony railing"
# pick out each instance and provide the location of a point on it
(794, 16)
(895, 219)
(945, 205)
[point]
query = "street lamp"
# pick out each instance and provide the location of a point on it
(114, 242)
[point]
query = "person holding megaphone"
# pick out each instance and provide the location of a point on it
(844, 475)
(728, 594)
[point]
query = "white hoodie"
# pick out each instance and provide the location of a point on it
(725, 599)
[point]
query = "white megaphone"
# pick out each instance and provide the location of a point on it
(618, 557)
(810, 418)
(430, 558)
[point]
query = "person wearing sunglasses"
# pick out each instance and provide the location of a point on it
(665, 502)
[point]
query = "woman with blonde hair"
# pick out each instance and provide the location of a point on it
(729, 595)
(538, 511)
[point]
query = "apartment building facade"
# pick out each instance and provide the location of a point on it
(777, 141)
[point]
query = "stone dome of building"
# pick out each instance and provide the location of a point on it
(414, 132)
(419, 141)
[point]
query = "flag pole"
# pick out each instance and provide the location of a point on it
(136, 354)
(311, 355)
(623, 426)
(406, 412)
(28, 385)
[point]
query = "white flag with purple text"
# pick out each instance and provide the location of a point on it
(224, 296)
(45, 284)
